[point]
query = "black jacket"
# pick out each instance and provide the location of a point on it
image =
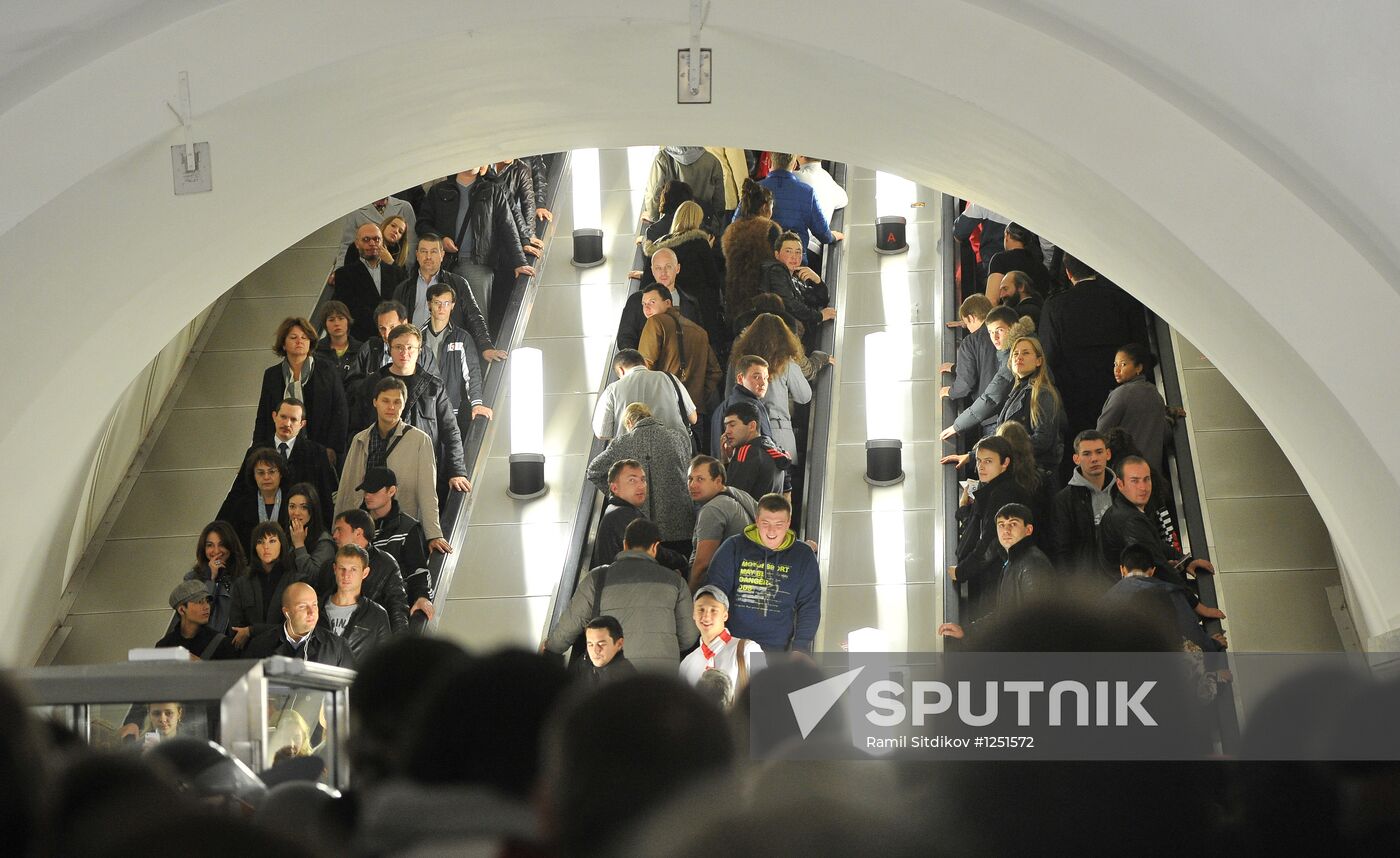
(1124, 525)
(384, 586)
(757, 467)
(1027, 575)
(1165, 600)
(250, 609)
(467, 314)
(355, 289)
(495, 235)
(401, 536)
(1075, 544)
(373, 355)
(778, 280)
(428, 409)
(324, 394)
(979, 553)
(322, 647)
(617, 669)
(308, 464)
(1030, 307)
(346, 362)
(1081, 329)
(367, 628)
(200, 645)
(608, 542)
(518, 182)
(240, 509)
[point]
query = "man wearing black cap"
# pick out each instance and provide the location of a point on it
(190, 601)
(399, 535)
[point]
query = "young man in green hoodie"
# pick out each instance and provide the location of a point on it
(771, 580)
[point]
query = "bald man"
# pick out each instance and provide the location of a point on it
(365, 280)
(666, 268)
(300, 636)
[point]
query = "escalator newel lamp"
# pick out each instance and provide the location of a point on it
(526, 424)
(884, 452)
(588, 209)
(890, 234)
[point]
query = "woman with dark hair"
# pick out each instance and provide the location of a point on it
(312, 548)
(261, 494)
(1034, 402)
(1037, 481)
(748, 244)
(218, 562)
(257, 596)
(979, 553)
(1136, 405)
(789, 371)
(317, 383)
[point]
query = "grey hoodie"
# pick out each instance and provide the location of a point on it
(1099, 499)
(685, 155)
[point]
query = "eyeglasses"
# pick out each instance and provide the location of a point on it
(405, 349)
(440, 304)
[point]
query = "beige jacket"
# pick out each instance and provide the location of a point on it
(414, 465)
(736, 170)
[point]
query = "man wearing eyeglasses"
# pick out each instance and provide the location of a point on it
(412, 293)
(454, 354)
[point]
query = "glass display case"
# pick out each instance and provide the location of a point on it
(261, 712)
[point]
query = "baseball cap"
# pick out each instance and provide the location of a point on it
(376, 479)
(714, 592)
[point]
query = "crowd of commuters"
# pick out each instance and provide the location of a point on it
(1066, 437)
(696, 562)
(321, 548)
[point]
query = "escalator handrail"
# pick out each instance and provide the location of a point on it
(823, 388)
(587, 511)
(457, 511)
(1189, 510)
(457, 508)
(949, 352)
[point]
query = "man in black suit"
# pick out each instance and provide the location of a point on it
(360, 285)
(307, 461)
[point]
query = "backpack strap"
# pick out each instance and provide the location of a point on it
(212, 648)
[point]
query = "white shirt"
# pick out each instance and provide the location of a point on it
(831, 197)
(277, 444)
(640, 384)
(726, 658)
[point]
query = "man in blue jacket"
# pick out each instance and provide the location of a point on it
(772, 581)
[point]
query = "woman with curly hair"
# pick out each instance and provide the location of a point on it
(748, 244)
(789, 371)
(1034, 402)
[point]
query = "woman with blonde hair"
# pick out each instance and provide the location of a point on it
(1034, 402)
(789, 371)
(394, 250)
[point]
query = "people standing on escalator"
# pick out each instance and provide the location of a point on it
(1021, 252)
(663, 453)
(698, 274)
(790, 373)
(1034, 402)
(756, 464)
(473, 215)
(748, 245)
(795, 205)
(692, 165)
(674, 344)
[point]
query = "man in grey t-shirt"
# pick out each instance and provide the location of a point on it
(721, 512)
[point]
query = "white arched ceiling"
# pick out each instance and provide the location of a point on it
(1234, 173)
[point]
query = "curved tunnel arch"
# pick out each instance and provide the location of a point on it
(1104, 167)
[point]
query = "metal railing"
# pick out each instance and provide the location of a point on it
(819, 412)
(952, 249)
(456, 509)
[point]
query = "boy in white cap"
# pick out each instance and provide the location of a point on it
(719, 650)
